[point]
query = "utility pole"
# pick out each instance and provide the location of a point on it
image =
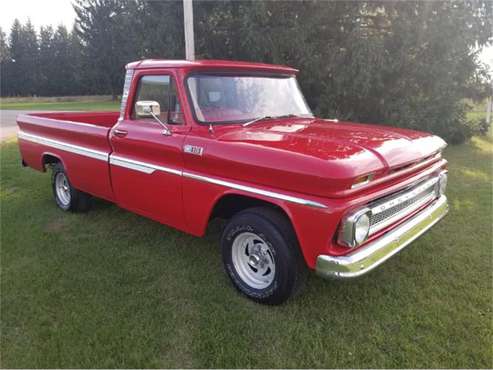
(188, 22)
(489, 104)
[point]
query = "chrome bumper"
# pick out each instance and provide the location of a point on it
(370, 256)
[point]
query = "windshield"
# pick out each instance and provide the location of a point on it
(237, 99)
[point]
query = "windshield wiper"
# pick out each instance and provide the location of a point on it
(256, 120)
(268, 117)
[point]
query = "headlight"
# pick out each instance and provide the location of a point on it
(355, 228)
(442, 183)
(361, 228)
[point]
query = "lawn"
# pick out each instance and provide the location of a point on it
(112, 289)
(91, 103)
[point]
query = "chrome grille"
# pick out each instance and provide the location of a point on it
(390, 209)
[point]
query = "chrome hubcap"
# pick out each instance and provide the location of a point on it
(253, 260)
(62, 188)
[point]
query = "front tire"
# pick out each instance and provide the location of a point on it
(66, 196)
(261, 255)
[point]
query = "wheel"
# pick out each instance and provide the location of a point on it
(261, 255)
(66, 196)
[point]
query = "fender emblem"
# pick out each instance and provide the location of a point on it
(192, 149)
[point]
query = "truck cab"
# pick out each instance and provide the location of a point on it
(198, 140)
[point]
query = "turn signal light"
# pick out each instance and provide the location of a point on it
(362, 180)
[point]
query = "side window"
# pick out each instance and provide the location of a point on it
(161, 89)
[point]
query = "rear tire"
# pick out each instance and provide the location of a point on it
(67, 198)
(261, 255)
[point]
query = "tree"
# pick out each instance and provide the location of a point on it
(4, 64)
(76, 53)
(409, 64)
(47, 67)
(105, 29)
(159, 29)
(4, 50)
(24, 55)
(63, 80)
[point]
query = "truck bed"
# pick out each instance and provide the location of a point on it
(78, 139)
(103, 119)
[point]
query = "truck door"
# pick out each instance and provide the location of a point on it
(146, 165)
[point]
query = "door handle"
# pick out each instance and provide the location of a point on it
(120, 133)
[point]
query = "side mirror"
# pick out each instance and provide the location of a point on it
(147, 108)
(150, 108)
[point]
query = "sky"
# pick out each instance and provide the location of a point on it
(56, 12)
(40, 12)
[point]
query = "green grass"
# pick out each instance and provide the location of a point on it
(71, 105)
(112, 289)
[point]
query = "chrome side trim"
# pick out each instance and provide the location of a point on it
(254, 190)
(149, 168)
(91, 153)
(130, 165)
(145, 167)
(377, 252)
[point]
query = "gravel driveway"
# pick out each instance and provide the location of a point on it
(8, 124)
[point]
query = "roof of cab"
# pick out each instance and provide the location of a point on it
(209, 64)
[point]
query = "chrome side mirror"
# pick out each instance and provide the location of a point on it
(150, 108)
(147, 108)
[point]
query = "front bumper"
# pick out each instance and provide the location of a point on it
(375, 253)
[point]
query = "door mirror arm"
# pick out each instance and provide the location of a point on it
(150, 108)
(166, 130)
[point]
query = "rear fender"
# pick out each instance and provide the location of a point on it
(44, 163)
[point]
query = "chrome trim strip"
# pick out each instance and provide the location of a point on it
(377, 252)
(254, 190)
(149, 168)
(91, 153)
(141, 166)
(131, 166)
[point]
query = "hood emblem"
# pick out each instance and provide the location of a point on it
(192, 149)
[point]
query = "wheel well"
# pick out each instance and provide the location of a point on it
(49, 160)
(231, 204)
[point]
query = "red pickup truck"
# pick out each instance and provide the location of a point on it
(198, 140)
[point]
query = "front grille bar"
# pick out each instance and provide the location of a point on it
(395, 207)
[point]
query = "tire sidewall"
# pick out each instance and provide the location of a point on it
(66, 207)
(280, 285)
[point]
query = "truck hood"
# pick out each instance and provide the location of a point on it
(327, 155)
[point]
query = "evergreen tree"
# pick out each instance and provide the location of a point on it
(47, 67)
(4, 50)
(62, 82)
(4, 64)
(409, 64)
(76, 60)
(12, 68)
(29, 59)
(24, 56)
(159, 29)
(106, 29)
